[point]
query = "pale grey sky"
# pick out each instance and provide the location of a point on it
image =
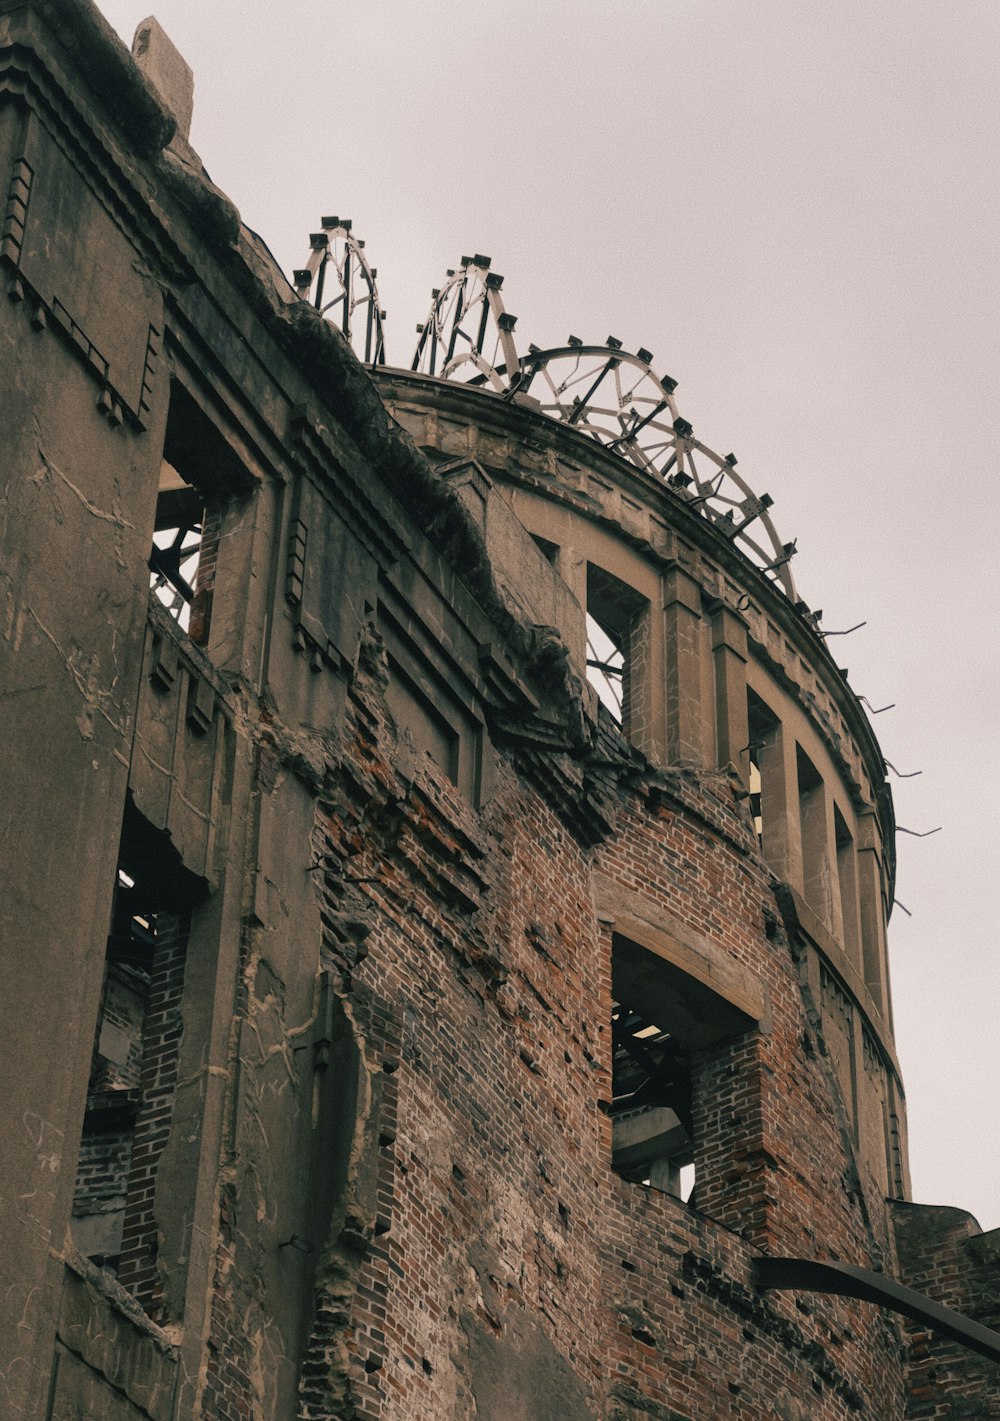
(794, 206)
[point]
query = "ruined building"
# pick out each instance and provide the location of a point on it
(445, 873)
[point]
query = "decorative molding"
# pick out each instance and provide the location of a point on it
(153, 347)
(16, 212)
(295, 569)
(313, 643)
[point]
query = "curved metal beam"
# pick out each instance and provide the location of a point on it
(846, 1281)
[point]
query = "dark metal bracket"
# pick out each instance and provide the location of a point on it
(846, 1281)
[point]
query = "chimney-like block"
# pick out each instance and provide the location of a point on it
(167, 70)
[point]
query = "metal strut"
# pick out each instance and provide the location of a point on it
(846, 1281)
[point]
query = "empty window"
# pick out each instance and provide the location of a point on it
(114, 1089)
(651, 1107)
(133, 1074)
(606, 666)
(200, 473)
(665, 1024)
(175, 560)
(755, 797)
(615, 623)
(765, 734)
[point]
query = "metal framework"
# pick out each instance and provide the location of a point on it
(608, 393)
(846, 1281)
(173, 565)
(340, 283)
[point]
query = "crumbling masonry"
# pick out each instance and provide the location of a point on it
(401, 1017)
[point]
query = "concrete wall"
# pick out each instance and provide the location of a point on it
(389, 851)
(80, 325)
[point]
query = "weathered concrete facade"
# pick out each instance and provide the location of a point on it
(371, 993)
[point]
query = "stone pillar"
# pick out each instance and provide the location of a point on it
(729, 656)
(572, 568)
(850, 910)
(682, 643)
(779, 806)
(829, 889)
(818, 844)
(640, 718)
(872, 901)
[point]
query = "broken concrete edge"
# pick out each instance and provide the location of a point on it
(320, 353)
(950, 1217)
(323, 356)
(209, 209)
(803, 636)
(116, 81)
(167, 70)
(123, 1302)
(328, 1363)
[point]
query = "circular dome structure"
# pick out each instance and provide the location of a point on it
(608, 393)
(742, 868)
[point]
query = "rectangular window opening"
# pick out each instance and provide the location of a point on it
(651, 1105)
(764, 728)
(606, 666)
(665, 1028)
(755, 799)
(200, 473)
(132, 1073)
(175, 559)
(847, 878)
(614, 611)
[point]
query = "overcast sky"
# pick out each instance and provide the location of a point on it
(794, 206)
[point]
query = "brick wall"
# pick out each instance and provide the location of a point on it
(228, 1393)
(491, 1262)
(944, 1253)
(161, 1036)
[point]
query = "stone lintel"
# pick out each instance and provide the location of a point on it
(655, 928)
